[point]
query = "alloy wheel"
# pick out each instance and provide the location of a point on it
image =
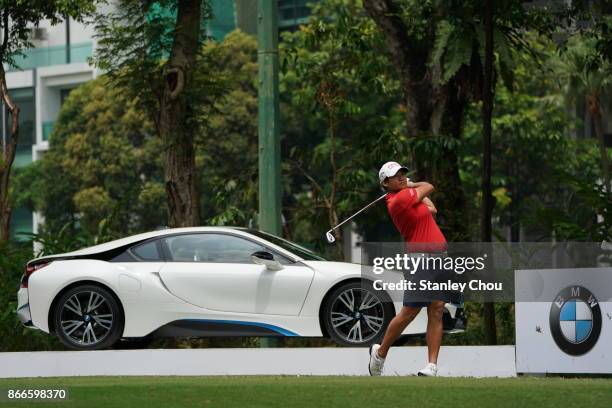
(86, 318)
(357, 315)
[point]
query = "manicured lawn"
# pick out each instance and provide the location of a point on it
(258, 391)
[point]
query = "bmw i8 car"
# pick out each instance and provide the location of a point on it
(200, 282)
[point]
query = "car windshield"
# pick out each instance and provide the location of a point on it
(294, 248)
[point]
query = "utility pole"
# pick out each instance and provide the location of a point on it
(269, 139)
(68, 50)
(487, 198)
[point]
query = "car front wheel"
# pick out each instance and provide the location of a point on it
(357, 315)
(88, 317)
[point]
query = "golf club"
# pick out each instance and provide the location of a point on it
(330, 237)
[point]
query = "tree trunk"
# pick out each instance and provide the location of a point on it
(432, 110)
(487, 198)
(595, 112)
(516, 193)
(174, 117)
(449, 194)
(7, 159)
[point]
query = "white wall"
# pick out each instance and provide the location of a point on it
(455, 361)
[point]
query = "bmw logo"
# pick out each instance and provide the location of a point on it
(575, 320)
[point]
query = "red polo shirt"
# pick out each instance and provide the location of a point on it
(414, 221)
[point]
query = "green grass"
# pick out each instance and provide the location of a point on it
(284, 391)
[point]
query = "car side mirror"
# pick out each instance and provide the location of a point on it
(267, 259)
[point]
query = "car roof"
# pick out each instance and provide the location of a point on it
(133, 239)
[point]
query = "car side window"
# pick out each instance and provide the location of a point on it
(211, 248)
(147, 252)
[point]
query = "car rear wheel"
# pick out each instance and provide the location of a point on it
(88, 317)
(357, 315)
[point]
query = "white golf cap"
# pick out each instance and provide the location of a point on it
(389, 169)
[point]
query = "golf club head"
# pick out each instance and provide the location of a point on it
(330, 237)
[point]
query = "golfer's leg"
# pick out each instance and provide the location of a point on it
(434, 329)
(396, 327)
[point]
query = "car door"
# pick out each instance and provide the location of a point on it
(137, 263)
(215, 271)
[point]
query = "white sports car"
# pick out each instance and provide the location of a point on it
(204, 281)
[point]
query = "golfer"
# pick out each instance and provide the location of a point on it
(412, 213)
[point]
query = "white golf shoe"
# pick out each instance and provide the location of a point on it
(430, 370)
(376, 362)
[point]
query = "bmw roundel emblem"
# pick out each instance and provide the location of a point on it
(575, 320)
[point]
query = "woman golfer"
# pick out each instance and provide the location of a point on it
(412, 213)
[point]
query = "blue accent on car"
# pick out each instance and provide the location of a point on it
(277, 329)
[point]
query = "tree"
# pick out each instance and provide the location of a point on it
(542, 179)
(16, 21)
(531, 114)
(342, 120)
(530, 130)
(438, 50)
(588, 74)
(433, 110)
(228, 168)
(150, 49)
(107, 154)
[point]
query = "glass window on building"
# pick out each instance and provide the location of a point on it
(27, 132)
(47, 126)
(293, 13)
(64, 93)
(21, 222)
(224, 19)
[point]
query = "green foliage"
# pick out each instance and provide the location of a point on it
(583, 70)
(457, 50)
(133, 41)
(13, 335)
(102, 177)
(460, 39)
(602, 33)
(584, 214)
(336, 133)
(62, 241)
(103, 169)
(226, 145)
(544, 179)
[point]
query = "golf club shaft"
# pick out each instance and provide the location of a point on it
(360, 211)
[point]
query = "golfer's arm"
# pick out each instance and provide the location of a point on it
(422, 188)
(430, 205)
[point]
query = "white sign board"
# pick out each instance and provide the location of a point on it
(564, 321)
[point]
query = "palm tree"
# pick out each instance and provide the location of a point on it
(588, 76)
